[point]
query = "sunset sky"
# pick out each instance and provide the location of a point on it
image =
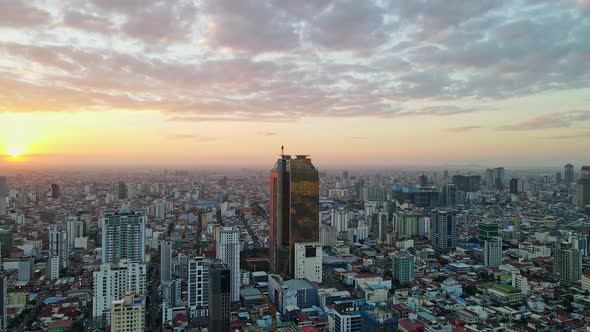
(350, 82)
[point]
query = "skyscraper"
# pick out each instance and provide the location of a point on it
(198, 286)
(514, 186)
(402, 267)
(294, 210)
(493, 252)
(449, 196)
(219, 296)
(567, 263)
(165, 261)
(228, 250)
(499, 178)
(72, 227)
(58, 244)
(558, 178)
(3, 194)
(443, 231)
(583, 188)
(123, 235)
(405, 224)
(569, 174)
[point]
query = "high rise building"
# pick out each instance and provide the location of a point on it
(3, 302)
(54, 191)
(58, 245)
(339, 219)
(423, 180)
(567, 263)
(499, 178)
(402, 267)
(583, 188)
(165, 261)
(487, 229)
(219, 296)
(569, 174)
(128, 314)
(3, 194)
(405, 224)
(112, 282)
(308, 261)
(120, 191)
(53, 267)
(443, 233)
(558, 178)
(123, 235)
(449, 196)
(294, 210)
(493, 252)
(383, 225)
(328, 235)
(228, 250)
(490, 177)
(198, 286)
(71, 230)
(427, 198)
(514, 186)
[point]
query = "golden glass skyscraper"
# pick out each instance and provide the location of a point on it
(294, 210)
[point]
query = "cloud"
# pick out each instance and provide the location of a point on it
(462, 129)
(573, 136)
(279, 61)
(20, 14)
(189, 137)
(549, 121)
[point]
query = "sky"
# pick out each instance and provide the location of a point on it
(180, 83)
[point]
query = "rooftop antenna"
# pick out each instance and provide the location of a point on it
(282, 150)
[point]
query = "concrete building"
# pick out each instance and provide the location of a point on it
(443, 234)
(123, 235)
(3, 194)
(112, 282)
(405, 224)
(53, 268)
(402, 267)
(308, 261)
(568, 174)
(165, 261)
(220, 286)
(340, 219)
(328, 235)
(198, 286)
(567, 263)
(128, 314)
(3, 302)
(493, 252)
(58, 244)
(228, 250)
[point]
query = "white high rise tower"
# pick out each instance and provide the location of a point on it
(228, 250)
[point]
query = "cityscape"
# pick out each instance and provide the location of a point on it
(294, 165)
(295, 248)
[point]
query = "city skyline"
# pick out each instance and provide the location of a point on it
(94, 85)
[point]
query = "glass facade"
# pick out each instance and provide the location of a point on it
(294, 210)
